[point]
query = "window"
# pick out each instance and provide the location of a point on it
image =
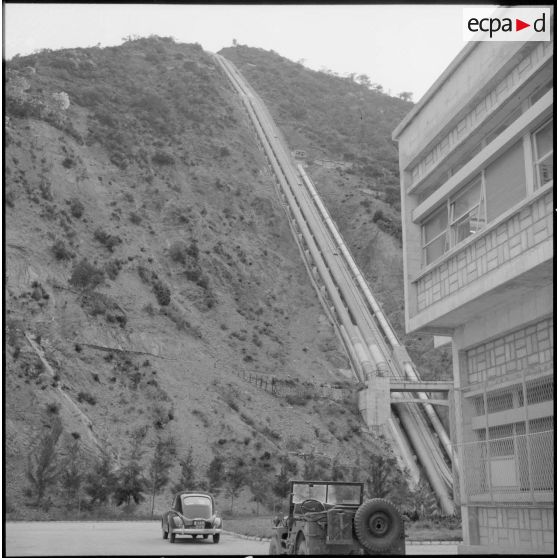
(505, 181)
(514, 461)
(501, 185)
(543, 140)
(463, 215)
(435, 235)
(467, 212)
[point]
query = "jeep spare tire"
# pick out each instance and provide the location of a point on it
(378, 525)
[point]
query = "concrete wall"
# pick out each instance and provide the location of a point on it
(374, 402)
(523, 528)
(515, 351)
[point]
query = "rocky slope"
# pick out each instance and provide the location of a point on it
(148, 264)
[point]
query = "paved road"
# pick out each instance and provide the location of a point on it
(114, 538)
(117, 538)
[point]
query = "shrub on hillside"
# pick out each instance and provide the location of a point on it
(162, 415)
(76, 208)
(61, 251)
(273, 434)
(96, 304)
(86, 276)
(162, 158)
(162, 293)
(135, 218)
(89, 97)
(107, 240)
(105, 117)
(393, 197)
(87, 397)
(203, 282)
(175, 314)
(146, 275)
(298, 398)
(193, 274)
(53, 408)
(45, 190)
(19, 108)
(112, 268)
(178, 251)
(9, 196)
(119, 159)
(387, 224)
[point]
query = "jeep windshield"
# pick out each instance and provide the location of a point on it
(327, 493)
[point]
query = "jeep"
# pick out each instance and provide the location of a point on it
(331, 518)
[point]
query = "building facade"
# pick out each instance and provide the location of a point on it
(477, 179)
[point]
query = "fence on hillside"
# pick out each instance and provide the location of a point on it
(296, 388)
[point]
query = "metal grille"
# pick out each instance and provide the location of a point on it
(499, 401)
(516, 468)
(540, 390)
(507, 455)
(478, 405)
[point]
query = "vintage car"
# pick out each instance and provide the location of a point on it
(192, 514)
(331, 518)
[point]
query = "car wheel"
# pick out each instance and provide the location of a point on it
(274, 547)
(301, 547)
(165, 534)
(378, 525)
(216, 538)
(172, 537)
(205, 536)
(194, 537)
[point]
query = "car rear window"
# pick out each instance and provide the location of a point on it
(196, 506)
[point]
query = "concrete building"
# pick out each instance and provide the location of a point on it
(477, 178)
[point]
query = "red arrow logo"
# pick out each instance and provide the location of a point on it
(519, 25)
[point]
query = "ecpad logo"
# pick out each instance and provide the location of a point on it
(506, 24)
(494, 24)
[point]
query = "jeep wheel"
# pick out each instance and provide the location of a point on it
(216, 538)
(274, 547)
(301, 547)
(172, 537)
(378, 525)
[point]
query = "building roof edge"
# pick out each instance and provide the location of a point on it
(463, 53)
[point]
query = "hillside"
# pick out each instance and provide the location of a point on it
(148, 265)
(344, 127)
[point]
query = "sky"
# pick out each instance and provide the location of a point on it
(403, 47)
